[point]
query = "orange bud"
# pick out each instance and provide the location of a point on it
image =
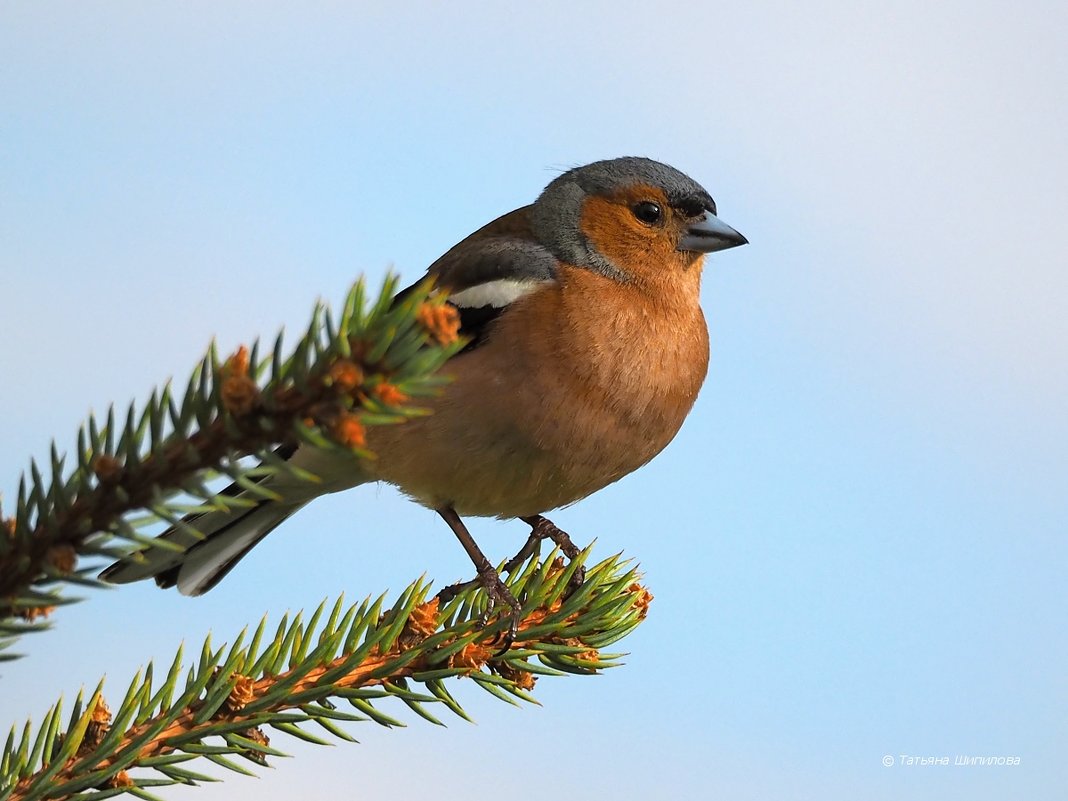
(107, 468)
(471, 656)
(120, 779)
(423, 621)
(390, 395)
(345, 374)
(30, 614)
(239, 391)
(62, 558)
(239, 394)
(97, 729)
(441, 321)
(101, 713)
(523, 679)
(242, 694)
(348, 430)
(238, 363)
(591, 655)
(536, 617)
(257, 736)
(642, 598)
(556, 568)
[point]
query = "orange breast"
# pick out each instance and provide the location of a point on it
(569, 394)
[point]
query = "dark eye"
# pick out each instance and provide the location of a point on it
(648, 212)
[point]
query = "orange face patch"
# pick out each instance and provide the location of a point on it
(639, 249)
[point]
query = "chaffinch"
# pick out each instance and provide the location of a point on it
(588, 348)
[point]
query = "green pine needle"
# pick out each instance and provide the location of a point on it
(364, 656)
(144, 467)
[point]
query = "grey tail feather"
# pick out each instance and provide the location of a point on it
(229, 536)
(171, 576)
(245, 526)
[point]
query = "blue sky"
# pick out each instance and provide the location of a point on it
(857, 541)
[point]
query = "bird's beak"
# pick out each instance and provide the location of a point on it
(708, 234)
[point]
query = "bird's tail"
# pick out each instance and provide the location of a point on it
(215, 540)
(227, 537)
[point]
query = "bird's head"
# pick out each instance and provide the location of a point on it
(629, 219)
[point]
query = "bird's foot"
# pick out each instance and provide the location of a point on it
(489, 579)
(542, 528)
(500, 596)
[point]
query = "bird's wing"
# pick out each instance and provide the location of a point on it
(491, 269)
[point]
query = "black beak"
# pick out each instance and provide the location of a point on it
(708, 234)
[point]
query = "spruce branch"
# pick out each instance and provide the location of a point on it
(342, 375)
(360, 655)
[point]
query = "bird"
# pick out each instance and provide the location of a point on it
(586, 350)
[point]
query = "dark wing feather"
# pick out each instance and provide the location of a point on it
(504, 259)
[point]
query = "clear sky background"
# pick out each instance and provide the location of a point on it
(857, 542)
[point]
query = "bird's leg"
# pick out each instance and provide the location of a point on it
(540, 529)
(491, 582)
(524, 553)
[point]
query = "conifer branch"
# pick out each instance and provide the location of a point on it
(359, 655)
(155, 460)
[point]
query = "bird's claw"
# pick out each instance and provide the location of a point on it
(498, 595)
(542, 528)
(446, 594)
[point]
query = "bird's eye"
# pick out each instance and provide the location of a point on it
(648, 212)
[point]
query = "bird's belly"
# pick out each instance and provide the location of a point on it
(548, 447)
(501, 475)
